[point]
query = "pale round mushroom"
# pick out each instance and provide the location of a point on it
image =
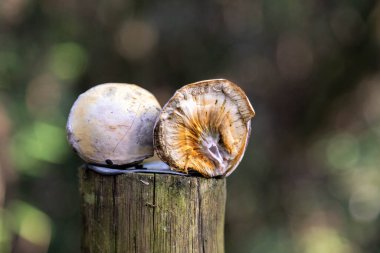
(112, 124)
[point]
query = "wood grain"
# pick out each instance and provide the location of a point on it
(151, 213)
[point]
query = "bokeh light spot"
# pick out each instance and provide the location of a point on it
(43, 95)
(31, 223)
(136, 39)
(5, 233)
(321, 239)
(371, 106)
(364, 203)
(342, 151)
(12, 10)
(68, 60)
(294, 57)
(40, 142)
(347, 25)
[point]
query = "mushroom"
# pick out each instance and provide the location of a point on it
(204, 127)
(112, 124)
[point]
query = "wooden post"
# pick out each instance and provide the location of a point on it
(156, 213)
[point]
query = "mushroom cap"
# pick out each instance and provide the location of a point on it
(204, 127)
(112, 124)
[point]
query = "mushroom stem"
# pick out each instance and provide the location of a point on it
(214, 152)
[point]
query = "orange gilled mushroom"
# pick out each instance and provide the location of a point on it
(204, 127)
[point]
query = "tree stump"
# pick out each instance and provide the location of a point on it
(157, 213)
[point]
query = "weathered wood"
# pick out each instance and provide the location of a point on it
(152, 213)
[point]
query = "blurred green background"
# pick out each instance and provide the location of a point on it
(310, 179)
